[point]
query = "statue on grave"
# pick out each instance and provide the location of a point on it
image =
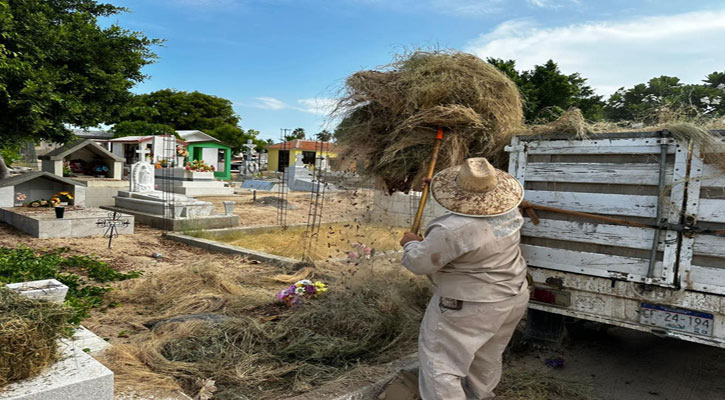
(142, 177)
(250, 167)
(142, 174)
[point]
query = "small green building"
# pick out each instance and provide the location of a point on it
(209, 149)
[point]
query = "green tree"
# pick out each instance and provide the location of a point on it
(236, 138)
(182, 110)
(297, 133)
(667, 97)
(141, 128)
(547, 92)
(191, 110)
(323, 136)
(58, 67)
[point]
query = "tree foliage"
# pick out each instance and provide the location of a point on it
(323, 136)
(181, 110)
(547, 92)
(141, 128)
(649, 102)
(59, 67)
(297, 133)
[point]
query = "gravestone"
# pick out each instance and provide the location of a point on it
(250, 166)
(165, 209)
(302, 179)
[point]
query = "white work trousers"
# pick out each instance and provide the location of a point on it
(460, 350)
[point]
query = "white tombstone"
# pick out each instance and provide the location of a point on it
(142, 177)
(323, 163)
(250, 166)
(164, 148)
(142, 174)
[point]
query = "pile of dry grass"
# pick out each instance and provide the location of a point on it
(526, 384)
(389, 117)
(29, 332)
(203, 286)
(700, 131)
(364, 318)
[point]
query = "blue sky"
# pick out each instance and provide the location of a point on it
(282, 62)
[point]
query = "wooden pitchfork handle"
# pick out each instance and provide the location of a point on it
(426, 185)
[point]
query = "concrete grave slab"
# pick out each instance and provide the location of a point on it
(75, 376)
(76, 222)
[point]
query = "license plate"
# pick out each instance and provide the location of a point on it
(678, 319)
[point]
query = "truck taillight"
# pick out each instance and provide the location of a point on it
(551, 296)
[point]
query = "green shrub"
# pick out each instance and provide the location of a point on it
(79, 273)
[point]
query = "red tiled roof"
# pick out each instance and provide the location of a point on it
(305, 145)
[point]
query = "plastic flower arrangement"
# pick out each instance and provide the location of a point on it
(21, 197)
(199, 165)
(181, 151)
(360, 251)
(61, 197)
(296, 294)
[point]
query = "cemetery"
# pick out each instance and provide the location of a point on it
(136, 263)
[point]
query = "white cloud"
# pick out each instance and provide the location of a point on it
(312, 105)
(538, 3)
(612, 54)
(317, 105)
(464, 8)
(269, 103)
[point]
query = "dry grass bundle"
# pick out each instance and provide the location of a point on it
(698, 130)
(571, 122)
(372, 318)
(130, 374)
(520, 384)
(29, 331)
(389, 117)
(711, 146)
(201, 287)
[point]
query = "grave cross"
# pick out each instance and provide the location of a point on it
(250, 146)
(111, 224)
(142, 153)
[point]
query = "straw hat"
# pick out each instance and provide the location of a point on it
(477, 189)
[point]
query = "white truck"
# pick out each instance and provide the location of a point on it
(665, 274)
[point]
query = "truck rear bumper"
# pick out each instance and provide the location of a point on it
(618, 303)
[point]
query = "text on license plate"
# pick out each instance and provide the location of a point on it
(696, 322)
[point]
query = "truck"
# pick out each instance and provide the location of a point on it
(626, 229)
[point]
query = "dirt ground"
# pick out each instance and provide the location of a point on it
(620, 364)
(623, 364)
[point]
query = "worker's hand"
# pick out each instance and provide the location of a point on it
(409, 237)
(426, 182)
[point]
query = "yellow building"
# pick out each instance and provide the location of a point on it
(281, 155)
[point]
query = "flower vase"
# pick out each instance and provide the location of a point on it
(59, 211)
(180, 161)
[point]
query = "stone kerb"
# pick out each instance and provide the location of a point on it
(46, 289)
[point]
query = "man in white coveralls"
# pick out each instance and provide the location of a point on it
(472, 257)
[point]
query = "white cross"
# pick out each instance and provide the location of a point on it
(250, 146)
(142, 152)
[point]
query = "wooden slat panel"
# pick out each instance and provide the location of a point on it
(585, 263)
(712, 176)
(707, 279)
(708, 245)
(610, 235)
(611, 173)
(599, 203)
(603, 146)
(711, 210)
